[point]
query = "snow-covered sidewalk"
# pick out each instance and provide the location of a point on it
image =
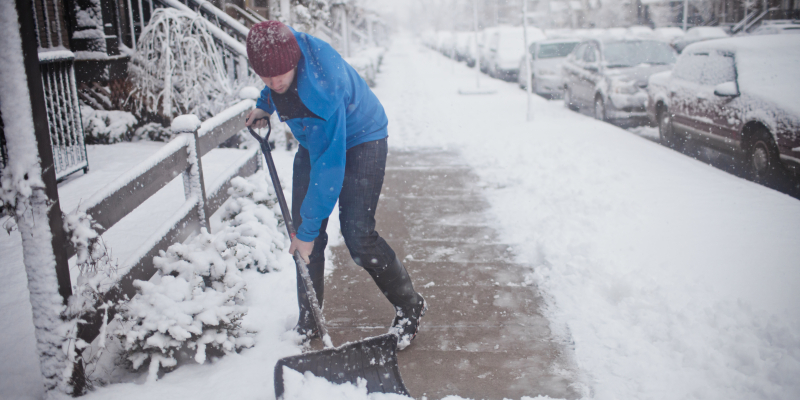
(674, 279)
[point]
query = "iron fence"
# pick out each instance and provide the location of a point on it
(63, 113)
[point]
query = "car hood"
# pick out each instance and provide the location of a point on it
(638, 74)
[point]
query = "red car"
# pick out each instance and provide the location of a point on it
(739, 95)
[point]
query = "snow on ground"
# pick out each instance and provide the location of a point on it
(674, 279)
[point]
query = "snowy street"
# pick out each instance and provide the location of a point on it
(654, 275)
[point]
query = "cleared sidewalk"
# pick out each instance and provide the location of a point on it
(484, 336)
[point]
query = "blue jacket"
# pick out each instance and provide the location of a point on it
(351, 114)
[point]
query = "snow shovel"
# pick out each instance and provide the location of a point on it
(374, 359)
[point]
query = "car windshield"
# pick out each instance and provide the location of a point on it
(632, 53)
(555, 50)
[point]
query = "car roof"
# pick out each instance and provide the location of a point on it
(749, 44)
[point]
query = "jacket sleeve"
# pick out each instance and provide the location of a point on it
(265, 101)
(327, 148)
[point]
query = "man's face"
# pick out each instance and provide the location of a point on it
(279, 84)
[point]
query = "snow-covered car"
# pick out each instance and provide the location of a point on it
(506, 46)
(546, 59)
(737, 95)
(446, 43)
(777, 27)
(698, 34)
(609, 76)
(466, 48)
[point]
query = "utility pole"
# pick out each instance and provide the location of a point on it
(527, 53)
(686, 13)
(477, 49)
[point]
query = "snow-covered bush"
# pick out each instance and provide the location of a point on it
(195, 301)
(107, 127)
(178, 68)
(193, 304)
(308, 13)
(253, 223)
(153, 131)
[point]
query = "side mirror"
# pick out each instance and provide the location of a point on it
(726, 89)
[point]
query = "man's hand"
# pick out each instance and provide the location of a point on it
(304, 248)
(255, 114)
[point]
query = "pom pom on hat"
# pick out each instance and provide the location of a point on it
(272, 49)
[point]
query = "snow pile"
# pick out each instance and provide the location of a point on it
(107, 127)
(193, 303)
(306, 386)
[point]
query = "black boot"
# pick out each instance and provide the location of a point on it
(306, 326)
(409, 305)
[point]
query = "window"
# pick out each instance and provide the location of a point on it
(590, 55)
(718, 68)
(579, 51)
(555, 50)
(690, 67)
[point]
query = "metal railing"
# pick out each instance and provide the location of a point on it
(63, 112)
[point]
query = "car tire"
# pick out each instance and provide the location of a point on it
(599, 109)
(762, 156)
(568, 102)
(666, 133)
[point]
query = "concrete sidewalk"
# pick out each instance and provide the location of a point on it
(484, 336)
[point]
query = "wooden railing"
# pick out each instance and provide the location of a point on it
(130, 190)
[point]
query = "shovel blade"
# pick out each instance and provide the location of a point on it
(373, 359)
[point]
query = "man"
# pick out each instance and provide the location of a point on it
(342, 130)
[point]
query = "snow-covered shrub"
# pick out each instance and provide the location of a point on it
(253, 224)
(153, 131)
(178, 68)
(192, 304)
(107, 127)
(308, 13)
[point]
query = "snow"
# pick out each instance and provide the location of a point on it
(57, 54)
(766, 66)
(185, 123)
(674, 280)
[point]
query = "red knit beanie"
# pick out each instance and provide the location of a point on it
(272, 49)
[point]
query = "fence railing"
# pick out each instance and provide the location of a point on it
(130, 190)
(63, 112)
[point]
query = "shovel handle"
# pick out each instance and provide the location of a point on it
(302, 268)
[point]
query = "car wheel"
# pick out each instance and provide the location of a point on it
(763, 157)
(521, 76)
(666, 133)
(599, 109)
(568, 99)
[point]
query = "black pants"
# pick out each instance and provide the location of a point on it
(361, 189)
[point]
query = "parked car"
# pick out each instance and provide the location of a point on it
(777, 27)
(608, 76)
(466, 49)
(546, 59)
(737, 95)
(698, 34)
(506, 46)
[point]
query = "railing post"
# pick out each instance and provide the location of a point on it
(193, 181)
(35, 193)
